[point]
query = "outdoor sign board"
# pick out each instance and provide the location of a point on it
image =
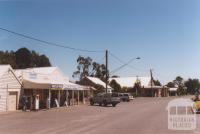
(56, 86)
(32, 75)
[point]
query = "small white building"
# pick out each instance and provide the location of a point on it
(10, 87)
(173, 91)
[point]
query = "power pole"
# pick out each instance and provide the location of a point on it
(107, 75)
(137, 87)
(151, 73)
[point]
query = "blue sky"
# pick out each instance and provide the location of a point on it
(164, 33)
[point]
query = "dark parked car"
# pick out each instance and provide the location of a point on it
(105, 99)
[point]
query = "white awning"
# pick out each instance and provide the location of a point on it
(173, 89)
(73, 86)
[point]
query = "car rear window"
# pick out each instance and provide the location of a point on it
(114, 95)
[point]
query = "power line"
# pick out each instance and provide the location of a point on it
(123, 62)
(118, 59)
(49, 43)
(119, 68)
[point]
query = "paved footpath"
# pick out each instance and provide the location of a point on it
(141, 116)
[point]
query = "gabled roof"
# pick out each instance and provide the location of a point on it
(42, 76)
(37, 70)
(130, 81)
(97, 81)
(4, 69)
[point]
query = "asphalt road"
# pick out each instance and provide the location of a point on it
(141, 116)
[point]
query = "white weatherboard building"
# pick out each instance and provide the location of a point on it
(173, 91)
(51, 86)
(10, 87)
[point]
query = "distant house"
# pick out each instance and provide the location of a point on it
(96, 83)
(173, 91)
(10, 87)
(147, 86)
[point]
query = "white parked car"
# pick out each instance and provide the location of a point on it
(127, 97)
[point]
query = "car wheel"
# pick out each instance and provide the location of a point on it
(114, 105)
(105, 103)
(91, 103)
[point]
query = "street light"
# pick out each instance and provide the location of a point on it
(138, 58)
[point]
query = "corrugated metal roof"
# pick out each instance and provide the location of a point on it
(98, 81)
(4, 69)
(43, 75)
(130, 81)
(37, 70)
